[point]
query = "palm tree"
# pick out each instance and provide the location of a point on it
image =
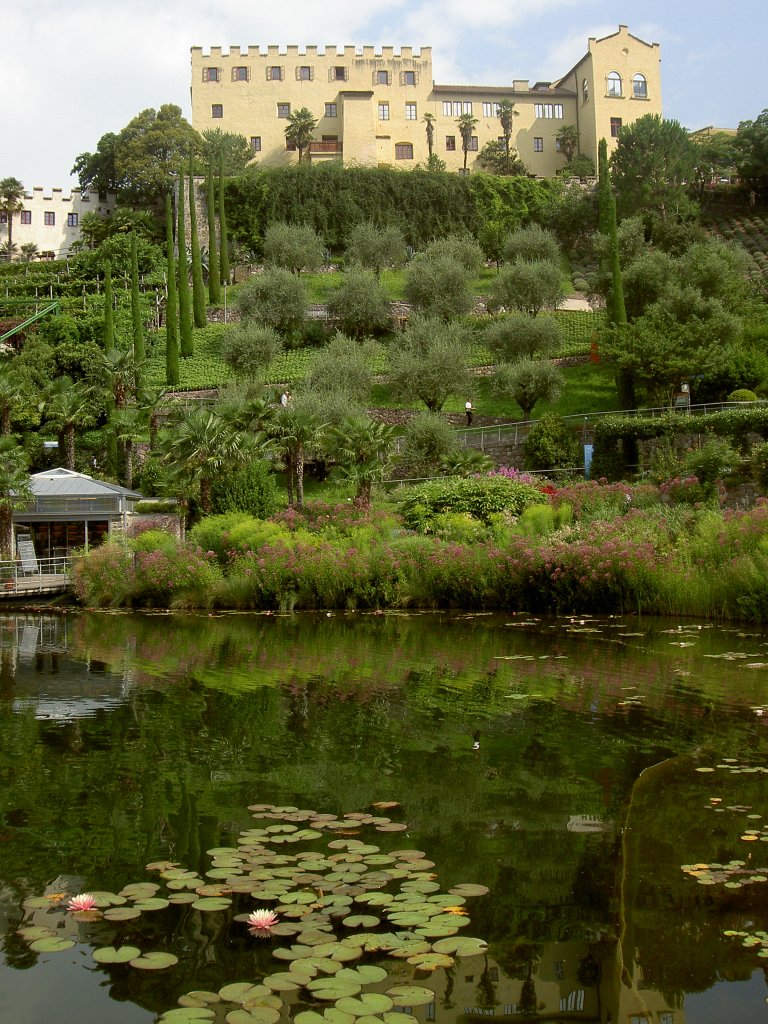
(364, 448)
(429, 122)
(467, 125)
(505, 114)
(15, 491)
(67, 406)
(127, 425)
(299, 130)
(295, 432)
(568, 137)
(115, 374)
(151, 401)
(14, 394)
(29, 252)
(200, 446)
(11, 196)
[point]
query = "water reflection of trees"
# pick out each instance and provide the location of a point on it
(338, 716)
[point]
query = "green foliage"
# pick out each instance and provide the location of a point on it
(742, 395)
(532, 244)
(249, 348)
(528, 381)
(343, 367)
(276, 298)
(543, 520)
(616, 437)
(458, 528)
(424, 206)
(251, 489)
(171, 308)
(461, 249)
(429, 441)
(231, 147)
(713, 460)
(155, 540)
(293, 247)
(496, 159)
(429, 362)
(185, 295)
(439, 287)
(360, 303)
(758, 464)
(375, 247)
(528, 287)
(551, 444)
(482, 498)
(518, 336)
(651, 168)
(752, 151)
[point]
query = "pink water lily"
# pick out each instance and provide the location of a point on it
(261, 921)
(84, 901)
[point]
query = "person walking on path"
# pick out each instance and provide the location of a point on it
(468, 410)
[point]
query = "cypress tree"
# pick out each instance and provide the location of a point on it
(198, 289)
(214, 284)
(109, 314)
(604, 215)
(615, 308)
(139, 350)
(223, 239)
(171, 324)
(185, 301)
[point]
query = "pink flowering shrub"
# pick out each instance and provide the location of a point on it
(187, 577)
(104, 577)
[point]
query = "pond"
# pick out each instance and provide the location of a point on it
(367, 778)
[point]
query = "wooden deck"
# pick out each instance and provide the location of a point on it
(46, 576)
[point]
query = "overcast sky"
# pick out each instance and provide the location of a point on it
(76, 70)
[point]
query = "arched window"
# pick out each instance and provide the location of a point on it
(639, 87)
(614, 83)
(584, 91)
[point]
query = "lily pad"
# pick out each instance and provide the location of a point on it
(51, 944)
(331, 989)
(285, 981)
(35, 931)
(110, 955)
(330, 1016)
(366, 1004)
(121, 914)
(199, 997)
(239, 991)
(430, 961)
(410, 995)
(366, 974)
(154, 961)
(152, 903)
(258, 1015)
(182, 1014)
(361, 921)
(469, 889)
(212, 903)
(461, 945)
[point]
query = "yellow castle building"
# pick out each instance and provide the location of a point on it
(370, 104)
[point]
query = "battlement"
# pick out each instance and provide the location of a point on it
(349, 52)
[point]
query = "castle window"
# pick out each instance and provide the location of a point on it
(614, 83)
(255, 143)
(304, 73)
(404, 151)
(446, 108)
(615, 127)
(538, 145)
(211, 74)
(456, 109)
(450, 143)
(382, 78)
(283, 109)
(72, 220)
(217, 110)
(548, 110)
(240, 74)
(639, 87)
(585, 91)
(410, 112)
(407, 78)
(472, 147)
(488, 109)
(338, 74)
(49, 218)
(274, 74)
(26, 217)
(331, 110)
(383, 111)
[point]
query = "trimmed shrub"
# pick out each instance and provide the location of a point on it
(551, 444)
(252, 489)
(480, 498)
